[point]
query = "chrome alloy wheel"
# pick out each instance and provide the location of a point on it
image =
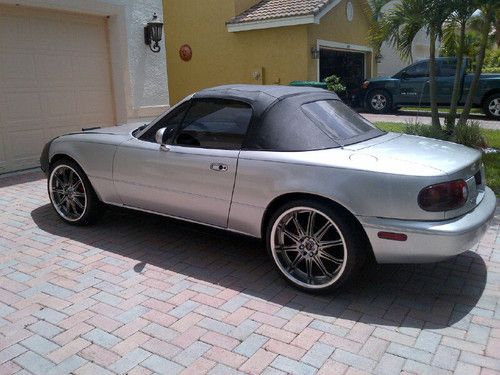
(378, 102)
(308, 247)
(67, 193)
(494, 107)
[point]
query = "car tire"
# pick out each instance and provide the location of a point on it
(491, 106)
(71, 193)
(379, 101)
(310, 257)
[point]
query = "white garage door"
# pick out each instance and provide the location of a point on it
(54, 79)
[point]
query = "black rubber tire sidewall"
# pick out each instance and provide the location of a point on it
(388, 106)
(94, 206)
(355, 242)
(486, 103)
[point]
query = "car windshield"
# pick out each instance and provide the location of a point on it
(338, 120)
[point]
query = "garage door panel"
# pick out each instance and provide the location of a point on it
(89, 37)
(93, 102)
(24, 145)
(55, 69)
(60, 103)
(23, 105)
(47, 31)
(92, 70)
(54, 79)
(15, 32)
(17, 70)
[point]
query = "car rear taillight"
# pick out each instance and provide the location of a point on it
(443, 197)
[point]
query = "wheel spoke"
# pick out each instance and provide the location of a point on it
(58, 191)
(322, 231)
(331, 258)
(298, 227)
(71, 177)
(58, 178)
(76, 184)
(79, 195)
(78, 203)
(309, 267)
(295, 262)
(322, 267)
(327, 244)
(292, 236)
(310, 223)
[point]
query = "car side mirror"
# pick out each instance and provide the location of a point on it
(163, 134)
(404, 75)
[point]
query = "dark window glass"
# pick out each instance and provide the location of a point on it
(215, 124)
(447, 67)
(170, 121)
(337, 119)
(420, 69)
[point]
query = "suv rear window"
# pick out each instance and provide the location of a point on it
(338, 120)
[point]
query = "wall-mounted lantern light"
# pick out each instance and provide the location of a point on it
(152, 33)
(378, 58)
(315, 53)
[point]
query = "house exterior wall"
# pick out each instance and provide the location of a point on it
(268, 56)
(335, 27)
(139, 76)
(391, 60)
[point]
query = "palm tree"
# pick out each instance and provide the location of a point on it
(458, 20)
(488, 8)
(400, 27)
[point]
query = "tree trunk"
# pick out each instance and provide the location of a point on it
(450, 119)
(479, 66)
(432, 80)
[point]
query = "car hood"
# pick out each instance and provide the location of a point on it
(119, 129)
(446, 157)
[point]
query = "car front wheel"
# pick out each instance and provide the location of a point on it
(491, 106)
(314, 248)
(71, 193)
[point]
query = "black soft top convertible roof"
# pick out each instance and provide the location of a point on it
(260, 97)
(278, 122)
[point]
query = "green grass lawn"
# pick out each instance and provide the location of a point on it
(441, 109)
(491, 161)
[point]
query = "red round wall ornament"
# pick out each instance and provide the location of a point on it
(185, 52)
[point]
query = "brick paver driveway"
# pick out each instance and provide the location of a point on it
(142, 294)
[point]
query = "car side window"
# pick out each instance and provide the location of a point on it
(215, 123)
(418, 70)
(447, 67)
(170, 121)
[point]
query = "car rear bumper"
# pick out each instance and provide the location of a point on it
(430, 241)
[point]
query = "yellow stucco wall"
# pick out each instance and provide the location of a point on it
(221, 57)
(335, 27)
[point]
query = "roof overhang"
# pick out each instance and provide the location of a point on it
(282, 22)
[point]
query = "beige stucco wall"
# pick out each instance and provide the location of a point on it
(335, 27)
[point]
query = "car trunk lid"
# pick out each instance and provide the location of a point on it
(454, 161)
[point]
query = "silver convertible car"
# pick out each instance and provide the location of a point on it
(322, 186)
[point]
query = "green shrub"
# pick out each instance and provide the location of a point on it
(333, 83)
(423, 130)
(469, 134)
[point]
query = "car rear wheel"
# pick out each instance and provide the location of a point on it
(379, 101)
(491, 107)
(314, 248)
(71, 193)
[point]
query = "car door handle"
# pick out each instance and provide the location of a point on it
(218, 167)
